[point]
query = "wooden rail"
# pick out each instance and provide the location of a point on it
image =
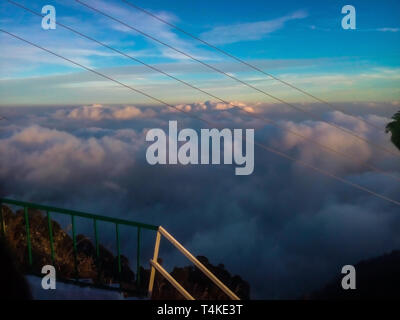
(193, 259)
(171, 280)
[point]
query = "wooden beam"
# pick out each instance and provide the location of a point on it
(155, 258)
(198, 264)
(171, 280)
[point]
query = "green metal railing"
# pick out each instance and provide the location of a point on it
(72, 213)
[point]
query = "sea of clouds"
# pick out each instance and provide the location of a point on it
(286, 229)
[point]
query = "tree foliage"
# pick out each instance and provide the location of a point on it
(394, 128)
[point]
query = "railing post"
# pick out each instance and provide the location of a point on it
(28, 236)
(75, 248)
(50, 236)
(138, 257)
(96, 241)
(96, 238)
(73, 214)
(155, 258)
(2, 221)
(118, 249)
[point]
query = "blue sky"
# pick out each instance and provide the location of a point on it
(300, 41)
(94, 153)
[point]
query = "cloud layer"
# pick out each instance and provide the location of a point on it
(285, 228)
(98, 112)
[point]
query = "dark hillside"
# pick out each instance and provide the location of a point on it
(376, 278)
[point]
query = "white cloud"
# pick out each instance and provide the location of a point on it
(388, 29)
(152, 27)
(249, 31)
(97, 112)
(38, 154)
(296, 214)
(210, 105)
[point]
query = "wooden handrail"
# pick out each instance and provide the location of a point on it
(153, 270)
(171, 280)
(193, 259)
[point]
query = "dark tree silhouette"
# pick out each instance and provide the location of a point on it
(13, 285)
(394, 128)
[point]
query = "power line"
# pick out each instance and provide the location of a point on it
(348, 131)
(329, 174)
(246, 63)
(324, 172)
(274, 123)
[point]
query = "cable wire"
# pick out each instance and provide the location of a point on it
(272, 150)
(350, 132)
(247, 63)
(270, 121)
